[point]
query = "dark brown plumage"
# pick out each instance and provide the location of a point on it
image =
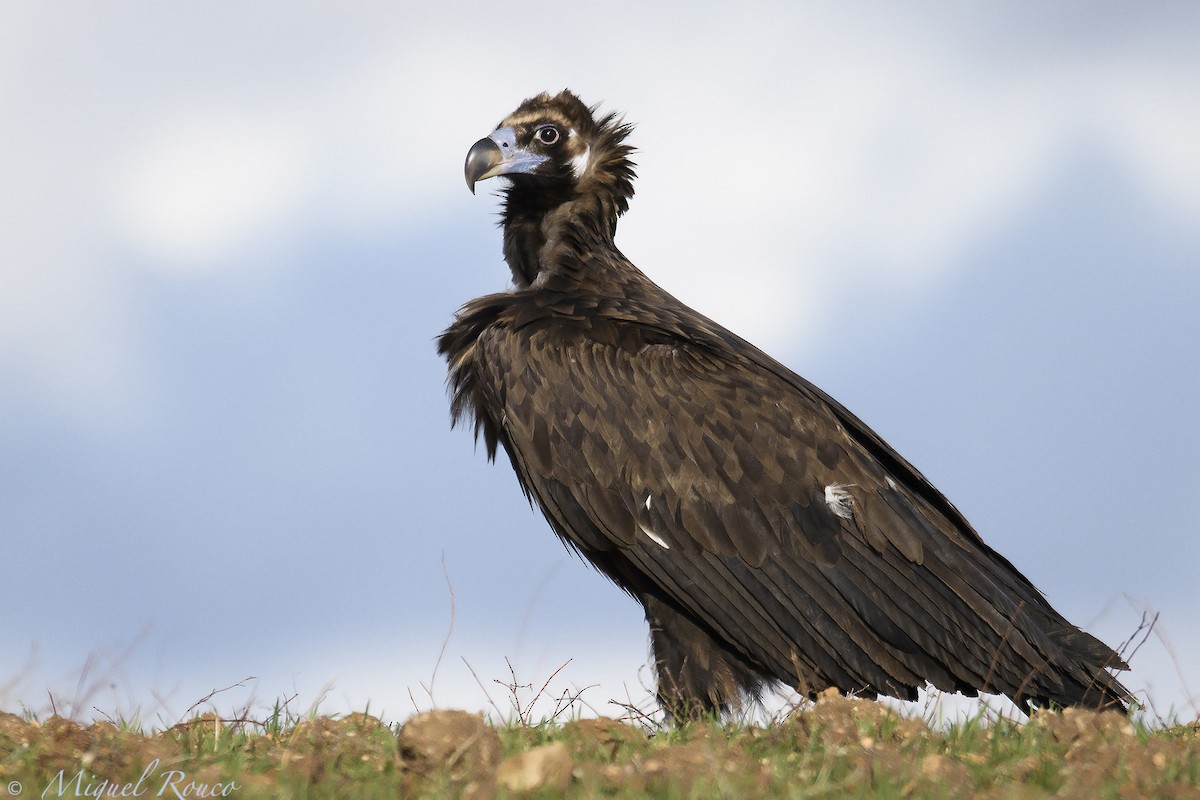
(769, 534)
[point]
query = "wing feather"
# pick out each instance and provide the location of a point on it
(758, 506)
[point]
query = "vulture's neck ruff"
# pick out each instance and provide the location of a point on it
(570, 179)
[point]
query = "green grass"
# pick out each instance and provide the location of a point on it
(837, 748)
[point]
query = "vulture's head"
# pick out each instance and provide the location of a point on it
(555, 146)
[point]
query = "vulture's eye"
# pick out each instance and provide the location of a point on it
(547, 134)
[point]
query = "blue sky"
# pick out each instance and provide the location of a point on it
(234, 230)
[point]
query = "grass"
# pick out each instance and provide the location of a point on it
(543, 743)
(837, 747)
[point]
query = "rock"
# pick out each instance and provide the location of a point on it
(461, 744)
(548, 767)
(602, 738)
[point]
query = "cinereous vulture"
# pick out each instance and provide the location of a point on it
(770, 535)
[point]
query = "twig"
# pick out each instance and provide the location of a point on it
(571, 699)
(1145, 629)
(1162, 638)
(75, 701)
(536, 697)
(1187, 692)
(514, 690)
(213, 694)
(479, 683)
(449, 631)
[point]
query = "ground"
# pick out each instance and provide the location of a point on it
(837, 747)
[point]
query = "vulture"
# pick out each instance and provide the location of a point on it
(770, 535)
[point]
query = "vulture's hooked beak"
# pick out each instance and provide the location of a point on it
(498, 154)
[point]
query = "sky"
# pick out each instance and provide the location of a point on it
(232, 232)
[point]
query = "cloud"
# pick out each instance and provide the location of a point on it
(1154, 124)
(828, 154)
(192, 193)
(874, 162)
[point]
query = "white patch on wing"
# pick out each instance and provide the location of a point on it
(647, 502)
(654, 537)
(579, 163)
(839, 500)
